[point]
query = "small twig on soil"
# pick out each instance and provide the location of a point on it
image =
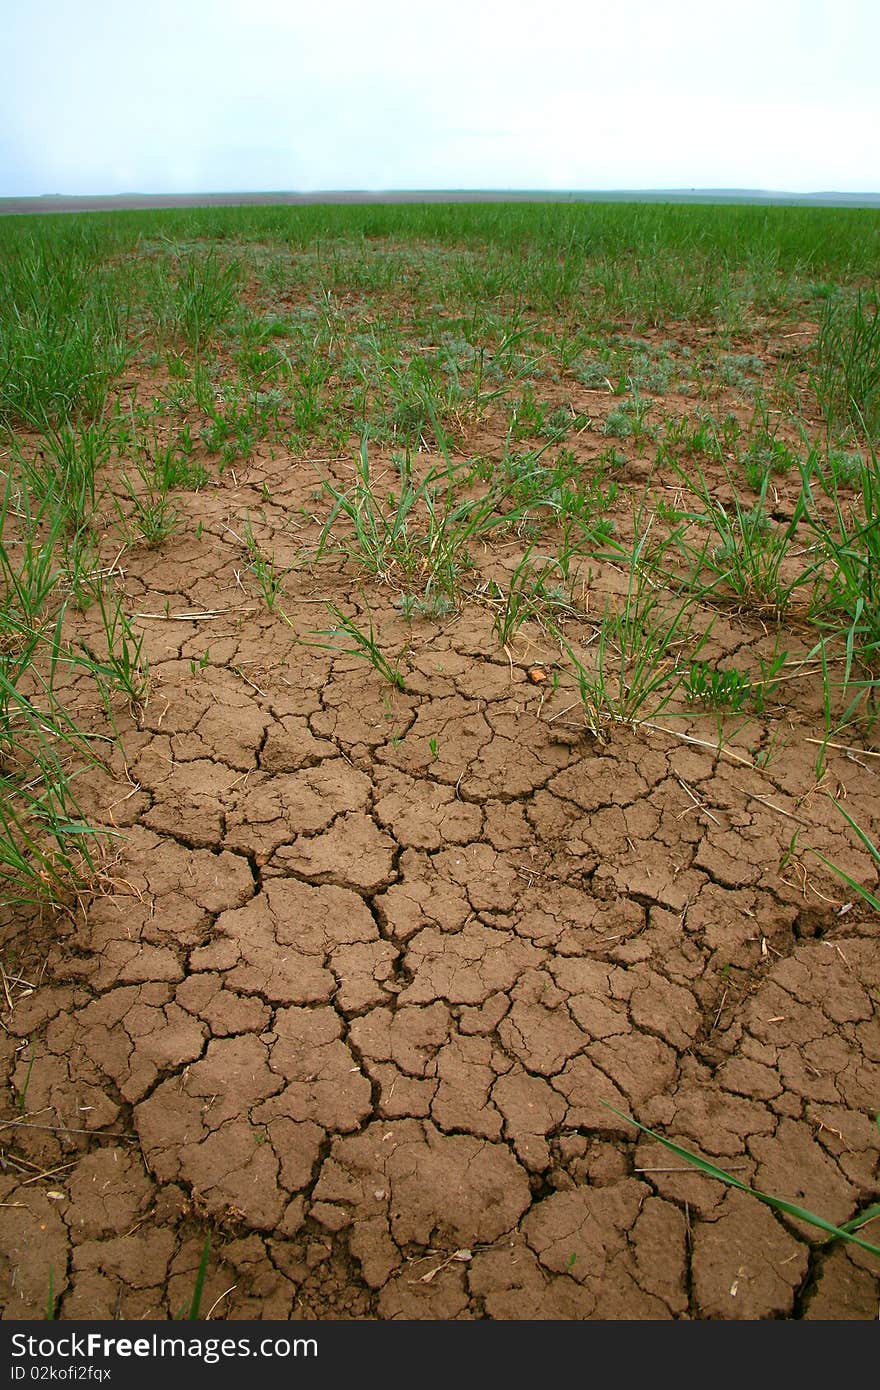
(718, 748)
(238, 671)
(731, 1168)
(463, 1256)
(6, 988)
(526, 871)
(197, 615)
(831, 1130)
(832, 945)
(852, 758)
(561, 712)
(68, 1129)
(846, 748)
(135, 788)
(699, 805)
(833, 902)
(10, 1161)
(718, 1015)
(781, 809)
(220, 1299)
(50, 1172)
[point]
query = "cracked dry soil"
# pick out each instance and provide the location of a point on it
(369, 967)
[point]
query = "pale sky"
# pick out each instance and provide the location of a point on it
(178, 96)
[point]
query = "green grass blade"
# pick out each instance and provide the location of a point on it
(196, 1304)
(777, 1203)
(849, 881)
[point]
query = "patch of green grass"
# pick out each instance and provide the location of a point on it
(364, 644)
(427, 605)
(846, 378)
(199, 297)
(150, 516)
(529, 594)
(697, 436)
(29, 559)
(740, 370)
(402, 530)
(767, 460)
(165, 454)
(715, 687)
(529, 416)
(730, 689)
(123, 666)
(44, 842)
(63, 326)
(847, 534)
(629, 421)
(239, 420)
(843, 467)
(561, 489)
(62, 470)
(637, 664)
(264, 568)
(740, 550)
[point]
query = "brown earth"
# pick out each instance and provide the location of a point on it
(371, 972)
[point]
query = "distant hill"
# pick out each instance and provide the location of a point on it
(62, 202)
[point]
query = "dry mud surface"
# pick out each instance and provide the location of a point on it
(371, 973)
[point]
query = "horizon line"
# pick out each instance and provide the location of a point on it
(133, 201)
(437, 190)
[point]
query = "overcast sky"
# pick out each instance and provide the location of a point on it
(102, 96)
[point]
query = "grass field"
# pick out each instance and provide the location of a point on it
(334, 538)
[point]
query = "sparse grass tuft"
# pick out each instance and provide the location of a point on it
(404, 531)
(263, 567)
(365, 645)
(638, 663)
